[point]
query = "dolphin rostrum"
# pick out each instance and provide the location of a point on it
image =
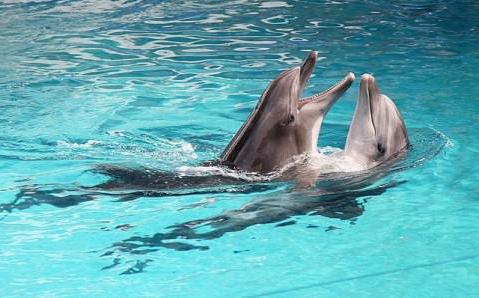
(282, 125)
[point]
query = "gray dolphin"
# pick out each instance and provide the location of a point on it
(377, 132)
(282, 125)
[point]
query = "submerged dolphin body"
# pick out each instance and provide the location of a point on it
(345, 205)
(282, 125)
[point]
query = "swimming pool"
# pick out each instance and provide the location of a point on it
(166, 84)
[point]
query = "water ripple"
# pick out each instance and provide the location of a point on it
(165, 84)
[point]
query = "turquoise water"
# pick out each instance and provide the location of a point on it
(166, 84)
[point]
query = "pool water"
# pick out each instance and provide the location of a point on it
(165, 84)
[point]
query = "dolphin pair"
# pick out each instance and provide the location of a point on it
(284, 125)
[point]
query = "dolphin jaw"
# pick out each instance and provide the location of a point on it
(307, 68)
(305, 73)
(339, 88)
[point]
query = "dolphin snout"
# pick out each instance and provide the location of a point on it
(367, 77)
(308, 67)
(350, 76)
(369, 86)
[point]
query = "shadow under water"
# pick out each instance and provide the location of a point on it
(168, 184)
(341, 205)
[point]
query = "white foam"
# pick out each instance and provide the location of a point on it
(274, 4)
(179, 149)
(449, 142)
(161, 150)
(327, 160)
(88, 144)
(222, 171)
(116, 133)
(335, 163)
(187, 148)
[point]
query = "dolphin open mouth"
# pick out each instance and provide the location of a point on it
(337, 89)
(332, 93)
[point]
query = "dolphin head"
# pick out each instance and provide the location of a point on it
(377, 131)
(282, 124)
(280, 100)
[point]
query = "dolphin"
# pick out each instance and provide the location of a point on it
(283, 125)
(377, 132)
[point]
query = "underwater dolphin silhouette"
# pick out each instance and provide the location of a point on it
(282, 125)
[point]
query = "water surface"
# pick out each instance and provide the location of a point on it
(166, 85)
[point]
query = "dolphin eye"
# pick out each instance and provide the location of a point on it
(290, 119)
(381, 148)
